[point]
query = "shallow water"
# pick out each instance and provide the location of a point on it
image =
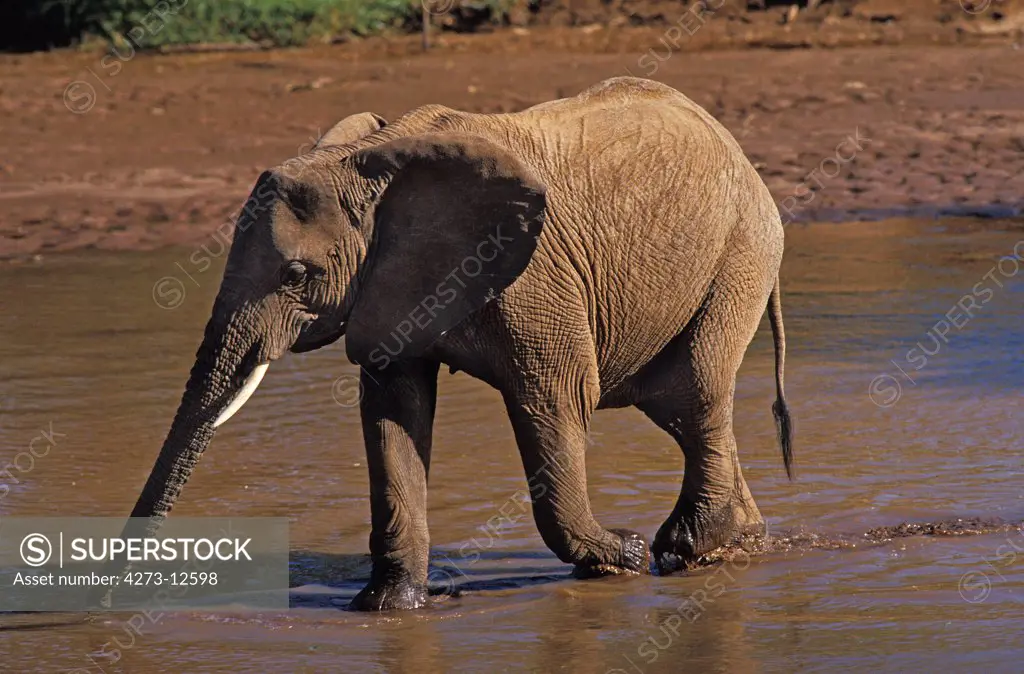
(85, 351)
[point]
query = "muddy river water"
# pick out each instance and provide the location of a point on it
(905, 376)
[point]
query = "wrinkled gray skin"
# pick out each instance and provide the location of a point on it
(601, 251)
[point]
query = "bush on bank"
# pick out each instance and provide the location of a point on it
(278, 22)
(42, 24)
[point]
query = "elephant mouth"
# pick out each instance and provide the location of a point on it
(317, 335)
(313, 336)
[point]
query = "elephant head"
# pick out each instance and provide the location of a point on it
(372, 226)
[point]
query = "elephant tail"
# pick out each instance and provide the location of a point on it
(783, 424)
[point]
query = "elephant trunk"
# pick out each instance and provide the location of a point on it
(229, 364)
(186, 441)
(227, 370)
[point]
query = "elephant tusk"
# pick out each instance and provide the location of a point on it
(243, 395)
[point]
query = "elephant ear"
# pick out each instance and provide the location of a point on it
(352, 128)
(456, 224)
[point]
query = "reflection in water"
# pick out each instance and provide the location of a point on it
(87, 357)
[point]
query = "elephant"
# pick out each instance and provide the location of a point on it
(606, 250)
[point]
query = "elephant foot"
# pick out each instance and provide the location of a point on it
(683, 540)
(635, 559)
(398, 596)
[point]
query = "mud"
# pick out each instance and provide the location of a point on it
(758, 545)
(936, 19)
(162, 149)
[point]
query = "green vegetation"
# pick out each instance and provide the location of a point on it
(39, 24)
(280, 22)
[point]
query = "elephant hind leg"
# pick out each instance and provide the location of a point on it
(714, 503)
(691, 398)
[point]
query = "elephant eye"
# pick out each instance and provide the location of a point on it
(293, 273)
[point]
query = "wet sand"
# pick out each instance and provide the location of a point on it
(167, 148)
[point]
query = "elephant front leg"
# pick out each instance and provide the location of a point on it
(398, 414)
(552, 442)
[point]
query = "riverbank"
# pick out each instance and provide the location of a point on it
(164, 149)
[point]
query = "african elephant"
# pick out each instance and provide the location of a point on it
(601, 251)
